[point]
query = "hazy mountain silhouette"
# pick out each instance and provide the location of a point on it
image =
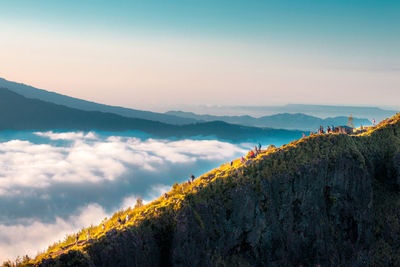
(278, 121)
(35, 93)
(321, 111)
(178, 118)
(21, 113)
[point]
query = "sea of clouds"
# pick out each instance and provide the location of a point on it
(55, 183)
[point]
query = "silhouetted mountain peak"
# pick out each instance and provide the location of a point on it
(72, 102)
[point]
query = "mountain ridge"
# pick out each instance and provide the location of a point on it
(321, 111)
(21, 113)
(72, 102)
(311, 110)
(327, 200)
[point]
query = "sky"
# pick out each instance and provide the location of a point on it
(54, 183)
(153, 53)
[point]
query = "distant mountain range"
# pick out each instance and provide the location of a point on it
(321, 111)
(21, 113)
(35, 93)
(292, 116)
(279, 121)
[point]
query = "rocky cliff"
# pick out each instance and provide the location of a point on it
(331, 200)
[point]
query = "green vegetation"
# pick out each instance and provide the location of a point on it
(379, 141)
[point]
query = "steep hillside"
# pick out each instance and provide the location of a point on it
(288, 121)
(20, 113)
(72, 102)
(331, 200)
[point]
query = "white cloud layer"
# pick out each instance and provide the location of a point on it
(37, 236)
(89, 175)
(89, 159)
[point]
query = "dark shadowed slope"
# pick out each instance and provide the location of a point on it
(20, 113)
(31, 92)
(295, 121)
(328, 200)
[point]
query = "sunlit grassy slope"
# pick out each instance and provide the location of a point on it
(270, 162)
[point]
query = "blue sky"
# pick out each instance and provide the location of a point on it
(151, 53)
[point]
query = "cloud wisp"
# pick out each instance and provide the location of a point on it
(28, 239)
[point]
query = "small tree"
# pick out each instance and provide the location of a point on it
(350, 121)
(25, 260)
(139, 203)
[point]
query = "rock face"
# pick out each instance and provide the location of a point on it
(323, 214)
(332, 201)
(396, 164)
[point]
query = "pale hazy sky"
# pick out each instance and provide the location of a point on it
(146, 53)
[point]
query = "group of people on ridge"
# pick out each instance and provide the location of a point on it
(329, 129)
(252, 153)
(255, 152)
